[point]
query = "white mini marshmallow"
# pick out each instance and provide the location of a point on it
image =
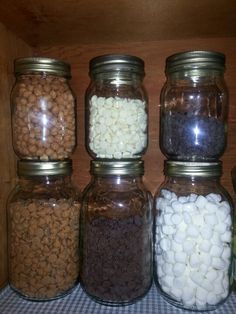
(169, 256)
(165, 244)
(188, 246)
(178, 269)
(211, 275)
(211, 219)
(214, 197)
(216, 250)
(226, 254)
(176, 293)
(205, 246)
(226, 237)
(220, 227)
(176, 218)
(201, 201)
(177, 206)
(192, 231)
(180, 257)
(201, 294)
(188, 293)
(218, 263)
(179, 236)
(187, 218)
(192, 197)
(189, 207)
(166, 194)
(211, 207)
(167, 268)
(194, 260)
(168, 230)
(212, 299)
(168, 281)
(183, 199)
(167, 218)
(206, 284)
(206, 232)
(205, 258)
(176, 247)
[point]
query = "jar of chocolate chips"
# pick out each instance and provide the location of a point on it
(194, 107)
(116, 233)
(43, 231)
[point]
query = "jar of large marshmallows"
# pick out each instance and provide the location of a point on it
(116, 234)
(193, 236)
(116, 108)
(43, 231)
(43, 110)
(194, 107)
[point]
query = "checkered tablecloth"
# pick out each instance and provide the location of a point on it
(78, 303)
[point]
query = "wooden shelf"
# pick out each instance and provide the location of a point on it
(60, 22)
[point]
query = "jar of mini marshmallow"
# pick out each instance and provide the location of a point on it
(43, 110)
(194, 107)
(43, 231)
(116, 234)
(116, 108)
(193, 236)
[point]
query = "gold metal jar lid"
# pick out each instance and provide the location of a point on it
(196, 61)
(39, 168)
(193, 169)
(117, 167)
(38, 64)
(116, 62)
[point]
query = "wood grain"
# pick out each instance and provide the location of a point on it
(11, 47)
(154, 55)
(44, 22)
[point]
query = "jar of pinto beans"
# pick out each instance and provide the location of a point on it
(43, 110)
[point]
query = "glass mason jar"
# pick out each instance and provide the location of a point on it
(116, 234)
(116, 108)
(233, 174)
(43, 110)
(43, 231)
(193, 236)
(194, 107)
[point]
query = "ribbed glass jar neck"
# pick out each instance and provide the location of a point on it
(198, 76)
(44, 180)
(117, 180)
(117, 77)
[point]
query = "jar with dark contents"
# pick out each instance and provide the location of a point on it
(116, 234)
(193, 236)
(194, 107)
(43, 110)
(43, 231)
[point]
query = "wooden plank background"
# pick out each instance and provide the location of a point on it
(11, 47)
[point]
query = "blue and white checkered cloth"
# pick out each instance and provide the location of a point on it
(79, 303)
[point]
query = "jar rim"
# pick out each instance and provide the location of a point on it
(116, 62)
(188, 168)
(39, 168)
(195, 60)
(40, 64)
(107, 168)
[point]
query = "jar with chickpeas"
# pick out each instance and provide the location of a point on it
(43, 231)
(43, 110)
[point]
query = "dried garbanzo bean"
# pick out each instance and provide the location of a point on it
(43, 118)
